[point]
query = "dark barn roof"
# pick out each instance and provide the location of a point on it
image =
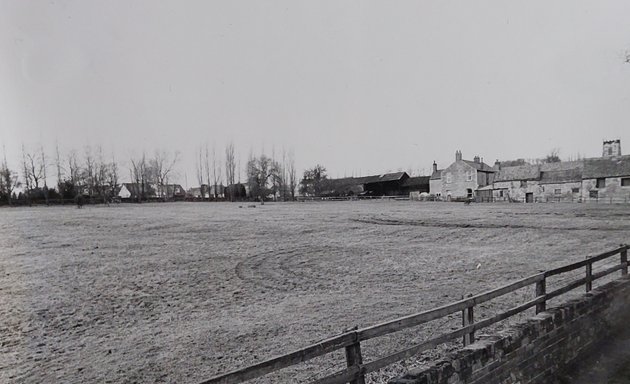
(398, 176)
(606, 167)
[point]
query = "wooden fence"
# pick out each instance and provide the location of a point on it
(351, 341)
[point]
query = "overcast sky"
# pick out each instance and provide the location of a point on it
(358, 86)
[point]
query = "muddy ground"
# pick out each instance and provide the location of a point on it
(180, 292)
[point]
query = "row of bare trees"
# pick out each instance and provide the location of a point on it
(91, 174)
(87, 174)
(267, 177)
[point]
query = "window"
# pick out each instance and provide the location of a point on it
(523, 183)
(449, 178)
(575, 190)
(501, 193)
(601, 183)
(625, 182)
(469, 176)
(557, 191)
(593, 194)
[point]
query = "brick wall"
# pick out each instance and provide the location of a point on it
(532, 351)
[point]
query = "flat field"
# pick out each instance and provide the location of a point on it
(180, 292)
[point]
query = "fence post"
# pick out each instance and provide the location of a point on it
(541, 290)
(468, 318)
(624, 261)
(589, 277)
(354, 358)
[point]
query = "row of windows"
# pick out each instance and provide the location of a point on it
(601, 182)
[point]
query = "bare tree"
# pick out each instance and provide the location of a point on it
(284, 186)
(89, 170)
(553, 156)
(35, 170)
(313, 181)
(7, 179)
(216, 173)
(59, 171)
(200, 170)
(26, 174)
(74, 170)
(112, 176)
(140, 175)
(43, 166)
(207, 168)
(260, 171)
(292, 174)
(230, 169)
(100, 175)
(163, 164)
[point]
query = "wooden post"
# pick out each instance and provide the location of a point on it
(354, 358)
(541, 290)
(468, 318)
(589, 277)
(624, 262)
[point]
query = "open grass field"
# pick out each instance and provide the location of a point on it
(180, 292)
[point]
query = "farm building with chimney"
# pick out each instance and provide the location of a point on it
(461, 179)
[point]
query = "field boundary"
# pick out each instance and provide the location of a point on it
(351, 341)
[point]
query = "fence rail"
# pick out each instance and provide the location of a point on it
(351, 340)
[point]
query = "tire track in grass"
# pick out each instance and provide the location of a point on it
(277, 270)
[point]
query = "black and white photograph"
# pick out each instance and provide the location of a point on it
(325, 192)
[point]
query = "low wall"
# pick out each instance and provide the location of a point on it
(534, 350)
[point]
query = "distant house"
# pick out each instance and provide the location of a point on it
(201, 192)
(559, 181)
(516, 183)
(606, 178)
(168, 191)
(462, 179)
(135, 191)
(603, 178)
